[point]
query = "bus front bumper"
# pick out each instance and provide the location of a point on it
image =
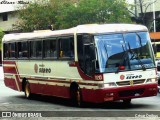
(119, 93)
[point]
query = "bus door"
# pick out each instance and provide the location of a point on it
(86, 54)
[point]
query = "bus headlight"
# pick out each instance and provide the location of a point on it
(112, 84)
(105, 85)
(150, 80)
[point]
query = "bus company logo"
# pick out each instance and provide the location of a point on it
(36, 68)
(122, 77)
(41, 69)
(133, 76)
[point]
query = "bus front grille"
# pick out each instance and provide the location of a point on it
(135, 82)
(128, 93)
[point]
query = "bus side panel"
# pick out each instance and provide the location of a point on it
(52, 90)
(9, 82)
(11, 75)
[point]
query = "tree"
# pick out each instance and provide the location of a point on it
(1, 36)
(141, 14)
(36, 16)
(93, 11)
(70, 13)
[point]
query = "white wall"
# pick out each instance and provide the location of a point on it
(1, 73)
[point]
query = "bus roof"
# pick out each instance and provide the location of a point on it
(88, 28)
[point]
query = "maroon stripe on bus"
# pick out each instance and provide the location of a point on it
(9, 62)
(14, 71)
(83, 75)
(9, 69)
(59, 91)
(10, 82)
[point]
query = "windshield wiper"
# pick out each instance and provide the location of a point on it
(135, 56)
(122, 60)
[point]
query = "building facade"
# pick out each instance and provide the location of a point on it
(7, 21)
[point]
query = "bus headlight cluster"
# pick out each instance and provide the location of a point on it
(105, 85)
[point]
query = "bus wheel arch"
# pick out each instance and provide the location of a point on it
(76, 95)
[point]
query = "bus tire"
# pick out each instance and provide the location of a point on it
(76, 96)
(27, 90)
(127, 101)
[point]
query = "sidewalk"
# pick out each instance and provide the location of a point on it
(1, 73)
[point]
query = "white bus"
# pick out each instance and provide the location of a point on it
(88, 63)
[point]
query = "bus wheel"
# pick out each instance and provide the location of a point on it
(27, 90)
(76, 96)
(127, 101)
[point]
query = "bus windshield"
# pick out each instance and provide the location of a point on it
(131, 50)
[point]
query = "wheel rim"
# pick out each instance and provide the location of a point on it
(27, 91)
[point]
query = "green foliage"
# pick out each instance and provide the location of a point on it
(1, 36)
(70, 13)
(36, 16)
(93, 11)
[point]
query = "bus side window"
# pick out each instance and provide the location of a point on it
(39, 49)
(50, 49)
(32, 49)
(6, 50)
(53, 48)
(22, 49)
(36, 49)
(66, 48)
(12, 50)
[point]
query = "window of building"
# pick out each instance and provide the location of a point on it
(5, 16)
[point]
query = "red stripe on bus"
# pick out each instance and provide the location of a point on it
(59, 81)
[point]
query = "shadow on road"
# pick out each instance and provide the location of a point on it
(118, 105)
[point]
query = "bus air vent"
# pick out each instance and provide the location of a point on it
(135, 82)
